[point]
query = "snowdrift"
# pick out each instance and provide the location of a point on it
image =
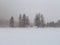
(29, 36)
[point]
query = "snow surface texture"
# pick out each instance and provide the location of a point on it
(29, 36)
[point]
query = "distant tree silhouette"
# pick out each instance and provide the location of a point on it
(42, 21)
(20, 21)
(37, 20)
(24, 20)
(12, 22)
(51, 24)
(27, 21)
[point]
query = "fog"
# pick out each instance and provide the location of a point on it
(49, 8)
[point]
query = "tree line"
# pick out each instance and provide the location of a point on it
(25, 22)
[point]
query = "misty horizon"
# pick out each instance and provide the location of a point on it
(49, 8)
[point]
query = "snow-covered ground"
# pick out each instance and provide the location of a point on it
(29, 36)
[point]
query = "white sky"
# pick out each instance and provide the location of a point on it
(49, 8)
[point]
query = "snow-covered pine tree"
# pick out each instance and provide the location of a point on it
(37, 20)
(20, 20)
(12, 22)
(42, 21)
(27, 21)
(24, 20)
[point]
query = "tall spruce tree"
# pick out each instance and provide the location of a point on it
(37, 20)
(20, 21)
(27, 21)
(24, 20)
(12, 22)
(42, 21)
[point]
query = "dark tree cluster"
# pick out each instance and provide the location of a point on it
(39, 20)
(25, 22)
(53, 24)
(12, 22)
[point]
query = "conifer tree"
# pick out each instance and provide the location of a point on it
(42, 21)
(24, 20)
(12, 22)
(37, 20)
(20, 21)
(27, 21)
